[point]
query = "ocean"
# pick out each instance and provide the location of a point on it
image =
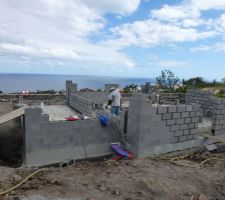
(10, 83)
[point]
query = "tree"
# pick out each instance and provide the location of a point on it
(131, 88)
(167, 80)
(223, 80)
(196, 82)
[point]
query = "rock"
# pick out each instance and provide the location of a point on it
(199, 197)
(102, 188)
(115, 192)
(202, 197)
(16, 177)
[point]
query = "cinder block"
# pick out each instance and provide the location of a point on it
(187, 120)
(186, 132)
(174, 140)
(176, 115)
(192, 125)
(184, 126)
(172, 109)
(166, 116)
(175, 127)
(178, 133)
(162, 109)
(189, 108)
(195, 119)
(181, 108)
(170, 122)
(192, 114)
(185, 114)
(193, 131)
(183, 138)
(180, 121)
(190, 137)
(196, 107)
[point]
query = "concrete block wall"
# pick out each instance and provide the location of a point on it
(155, 130)
(80, 104)
(218, 116)
(202, 98)
(53, 142)
(95, 97)
(182, 120)
(212, 107)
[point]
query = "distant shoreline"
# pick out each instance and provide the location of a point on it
(13, 83)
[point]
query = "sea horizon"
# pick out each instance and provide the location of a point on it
(17, 82)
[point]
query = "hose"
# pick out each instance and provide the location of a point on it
(172, 160)
(19, 184)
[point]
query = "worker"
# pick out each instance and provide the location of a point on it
(116, 101)
(109, 98)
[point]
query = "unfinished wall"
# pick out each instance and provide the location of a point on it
(218, 116)
(80, 104)
(10, 138)
(202, 98)
(52, 142)
(154, 130)
(97, 98)
(212, 107)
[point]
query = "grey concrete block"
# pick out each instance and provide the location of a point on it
(192, 125)
(170, 122)
(192, 114)
(162, 109)
(166, 116)
(187, 120)
(195, 119)
(184, 126)
(178, 133)
(186, 132)
(190, 137)
(172, 109)
(189, 108)
(180, 121)
(175, 127)
(193, 131)
(181, 108)
(183, 138)
(176, 115)
(174, 140)
(185, 114)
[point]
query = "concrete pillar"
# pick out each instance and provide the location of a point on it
(68, 83)
(20, 100)
(70, 88)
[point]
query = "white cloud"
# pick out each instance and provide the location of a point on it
(219, 47)
(171, 13)
(157, 61)
(151, 32)
(60, 29)
(116, 6)
(208, 4)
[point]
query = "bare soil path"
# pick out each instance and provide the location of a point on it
(139, 179)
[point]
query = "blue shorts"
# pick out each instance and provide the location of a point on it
(115, 110)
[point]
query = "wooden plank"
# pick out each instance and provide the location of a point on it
(12, 115)
(217, 138)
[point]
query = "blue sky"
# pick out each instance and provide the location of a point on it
(134, 38)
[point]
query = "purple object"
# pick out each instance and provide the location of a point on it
(118, 149)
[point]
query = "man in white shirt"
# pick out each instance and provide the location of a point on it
(116, 101)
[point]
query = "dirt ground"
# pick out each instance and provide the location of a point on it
(139, 179)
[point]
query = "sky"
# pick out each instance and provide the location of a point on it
(132, 38)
